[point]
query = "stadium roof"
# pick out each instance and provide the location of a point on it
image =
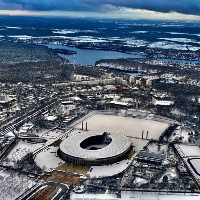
(71, 146)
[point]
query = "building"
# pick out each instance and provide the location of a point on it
(162, 101)
(119, 104)
(94, 148)
(151, 158)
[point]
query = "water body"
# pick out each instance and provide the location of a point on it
(89, 57)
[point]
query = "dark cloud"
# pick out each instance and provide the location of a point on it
(180, 6)
(49, 5)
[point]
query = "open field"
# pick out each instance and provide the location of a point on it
(48, 158)
(132, 127)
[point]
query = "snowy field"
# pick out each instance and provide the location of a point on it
(192, 153)
(182, 40)
(108, 170)
(22, 149)
(48, 159)
(136, 196)
(196, 164)
(128, 126)
(189, 151)
(138, 144)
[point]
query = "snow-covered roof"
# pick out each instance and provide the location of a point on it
(72, 146)
(119, 103)
(9, 135)
(51, 118)
(163, 102)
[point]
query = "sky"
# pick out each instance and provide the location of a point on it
(126, 9)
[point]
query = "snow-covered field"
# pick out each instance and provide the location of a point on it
(189, 151)
(128, 126)
(134, 42)
(126, 195)
(196, 164)
(182, 40)
(82, 39)
(21, 149)
(190, 155)
(48, 159)
(108, 170)
(70, 31)
(172, 45)
(138, 143)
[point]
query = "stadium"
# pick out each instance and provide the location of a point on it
(94, 148)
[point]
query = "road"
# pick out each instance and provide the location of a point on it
(62, 194)
(20, 120)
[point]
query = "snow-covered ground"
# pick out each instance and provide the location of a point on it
(177, 112)
(140, 32)
(70, 31)
(48, 158)
(13, 184)
(191, 155)
(138, 143)
(180, 133)
(50, 134)
(172, 45)
(189, 151)
(65, 31)
(108, 170)
(21, 149)
(139, 181)
(154, 147)
(93, 196)
(13, 27)
(134, 42)
(41, 132)
(128, 126)
(182, 40)
(82, 39)
(196, 164)
(171, 174)
(126, 195)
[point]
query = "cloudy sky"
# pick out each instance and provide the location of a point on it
(131, 9)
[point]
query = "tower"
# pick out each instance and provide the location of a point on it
(137, 105)
(74, 68)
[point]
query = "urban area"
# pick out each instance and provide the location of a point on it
(121, 128)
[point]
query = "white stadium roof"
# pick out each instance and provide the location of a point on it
(72, 146)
